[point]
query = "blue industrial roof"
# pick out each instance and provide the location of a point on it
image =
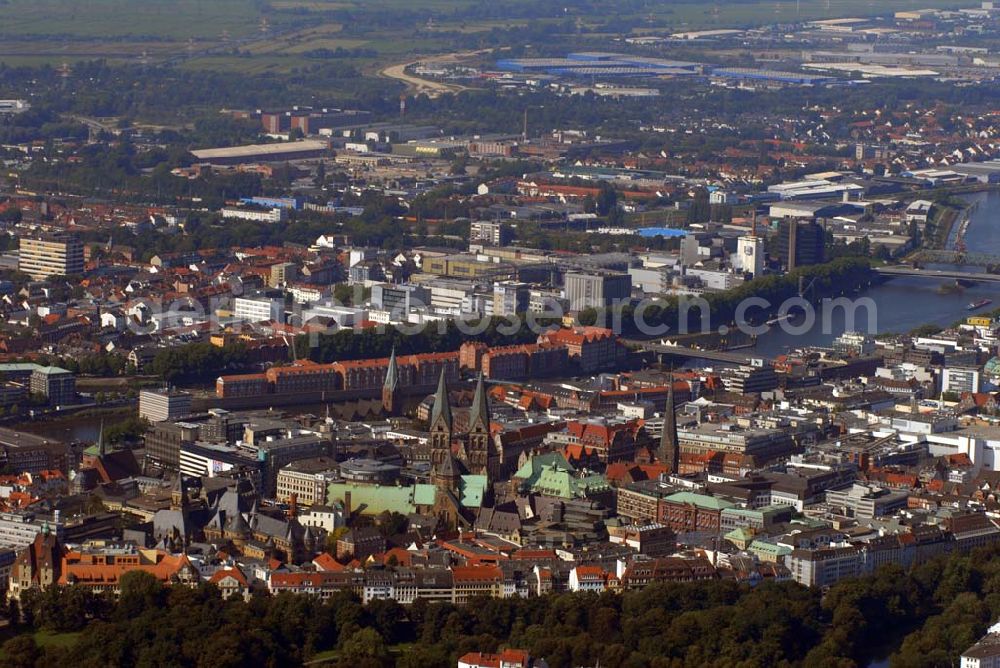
(660, 232)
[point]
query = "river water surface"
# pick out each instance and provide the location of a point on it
(901, 304)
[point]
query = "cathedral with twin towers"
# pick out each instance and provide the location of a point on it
(451, 455)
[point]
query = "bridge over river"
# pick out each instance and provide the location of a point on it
(724, 356)
(950, 274)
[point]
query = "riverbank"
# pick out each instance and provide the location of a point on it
(944, 226)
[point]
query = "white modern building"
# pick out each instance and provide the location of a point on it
(274, 215)
(749, 257)
(715, 279)
(163, 405)
(342, 317)
(260, 308)
(960, 379)
(980, 442)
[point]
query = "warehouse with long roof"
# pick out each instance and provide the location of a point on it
(277, 152)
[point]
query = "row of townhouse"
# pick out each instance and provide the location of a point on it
(460, 584)
(403, 585)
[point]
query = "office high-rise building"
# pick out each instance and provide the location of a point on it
(597, 290)
(489, 232)
(162, 405)
(800, 243)
(510, 297)
(750, 379)
(400, 300)
(56, 255)
(261, 307)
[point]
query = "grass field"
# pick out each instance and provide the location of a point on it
(331, 655)
(253, 65)
(52, 31)
(201, 19)
(166, 19)
(53, 639)
(50, 639)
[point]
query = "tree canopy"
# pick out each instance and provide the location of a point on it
(923, 618)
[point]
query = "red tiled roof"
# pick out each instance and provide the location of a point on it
(224, 573)
(325, 562)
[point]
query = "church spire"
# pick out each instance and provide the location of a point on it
(442, 409)
(479, 415)
(392, 375)
(101, 450)
(482, 456)
(390, 389)
(178, 496)
(441, 426)
(669, 450)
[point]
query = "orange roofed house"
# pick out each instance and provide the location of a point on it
(508, 658)
(591, 578)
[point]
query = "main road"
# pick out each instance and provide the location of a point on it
(417, 86)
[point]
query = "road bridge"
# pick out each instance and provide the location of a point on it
(955, 257)
(948, 274)
(722, 356)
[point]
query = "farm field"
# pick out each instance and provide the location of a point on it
(251, 36)
(110, 19)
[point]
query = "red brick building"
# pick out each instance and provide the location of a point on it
(686, 512)
(612, 442)
(591, 348)
(306, 376)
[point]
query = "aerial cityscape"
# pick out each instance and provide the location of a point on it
(618, 334)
